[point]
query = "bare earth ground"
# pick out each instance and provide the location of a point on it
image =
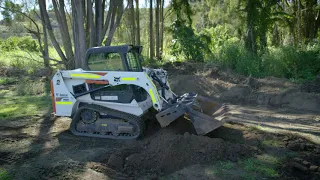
(272, 122)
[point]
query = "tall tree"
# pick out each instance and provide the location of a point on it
(132, 20)
(158, 29)
(43, 10)
(115, 20)
(161, 26)
(151, 30)
(59, 9)
(90, 25)
(138, 23)
(98, 21)
(78, 32)
(45, 50)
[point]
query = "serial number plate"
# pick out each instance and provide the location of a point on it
(112, 98)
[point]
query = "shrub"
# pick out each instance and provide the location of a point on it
(300, 63)
(236, 57)
(26, 43)
(187, 43)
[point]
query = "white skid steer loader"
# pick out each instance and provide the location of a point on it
(110, 97)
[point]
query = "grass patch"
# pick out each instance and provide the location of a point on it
(221, 169)
(4, 175)
(13, 106)
(28, 87)
(266, 166)
(7, 80)
(255, 128)
(261, 167)
(271, 142)
(225, 164)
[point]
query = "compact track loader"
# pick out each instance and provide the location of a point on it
(110, 97)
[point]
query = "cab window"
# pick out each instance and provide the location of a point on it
(105, 62)
(133, 61)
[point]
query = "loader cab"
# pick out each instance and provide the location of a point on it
(114, 58)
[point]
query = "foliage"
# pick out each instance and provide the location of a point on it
(235, 56)
(285, 61)
(185, 41)
(7, 80)
(9, 11)
(26, 43)
(4, 175)
(21, 60)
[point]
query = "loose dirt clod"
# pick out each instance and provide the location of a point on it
(115, 161)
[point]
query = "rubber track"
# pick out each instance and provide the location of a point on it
(138, 121)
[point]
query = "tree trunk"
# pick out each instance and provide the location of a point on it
(151, 31)
(43, 9)
(132, 20)
(113, 26)
(44, 49)
(78, 33)
(64, 30)
(111, 11)
(138, 23)
(90, 24)
(158, 30)
(161, 27)
(98, 21)
(251, 33)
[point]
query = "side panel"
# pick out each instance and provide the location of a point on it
(62, 99)
(120, 77)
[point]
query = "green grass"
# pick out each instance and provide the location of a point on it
(24, 60)
(13, 105)
(266, 166)
(7, 80)
(272, 142)
(4, 175)
(225, 164)
(262, 166)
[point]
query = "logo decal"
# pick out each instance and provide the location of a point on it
(116, 79)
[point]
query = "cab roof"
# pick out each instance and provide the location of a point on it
(116, 49)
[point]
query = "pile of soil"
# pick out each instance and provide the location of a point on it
(312, 87)
(168, 152)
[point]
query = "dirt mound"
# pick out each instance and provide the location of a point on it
(227, 88)
(167, 152)
(312, 87)
(199, 84)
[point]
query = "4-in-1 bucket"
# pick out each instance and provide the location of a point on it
(205, 114)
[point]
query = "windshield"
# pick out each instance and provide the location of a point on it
(105, 62)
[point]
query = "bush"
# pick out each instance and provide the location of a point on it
(186, 43)
(236, 57)
(300, 63)
(291, 62)
(23, 43)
